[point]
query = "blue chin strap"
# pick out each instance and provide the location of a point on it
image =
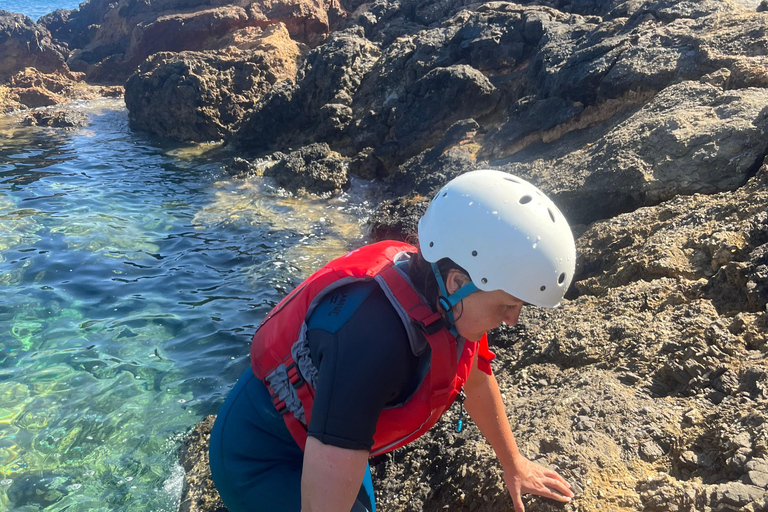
(447, 301)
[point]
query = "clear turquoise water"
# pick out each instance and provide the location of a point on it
(36, 8)
(132, 275)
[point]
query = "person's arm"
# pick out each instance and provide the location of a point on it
(331, 477)
(522, 476)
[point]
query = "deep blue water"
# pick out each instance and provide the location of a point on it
(132, 276)
(36, 8)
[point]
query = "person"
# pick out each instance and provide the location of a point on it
(366, 354)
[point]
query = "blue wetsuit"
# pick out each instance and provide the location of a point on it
(365, 362)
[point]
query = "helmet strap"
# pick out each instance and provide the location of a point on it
(449, 300)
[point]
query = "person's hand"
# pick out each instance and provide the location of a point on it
(527, 477)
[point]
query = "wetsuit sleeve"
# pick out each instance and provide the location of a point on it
(361, 350)
(485, 356)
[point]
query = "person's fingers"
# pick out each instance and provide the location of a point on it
(517, 501)
(559, 487)
(517, 497)
(553, 474)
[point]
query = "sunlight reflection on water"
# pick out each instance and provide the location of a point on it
(132, 275)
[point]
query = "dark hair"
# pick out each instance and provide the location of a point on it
(423, 279)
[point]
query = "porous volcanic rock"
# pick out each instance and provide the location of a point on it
(202, 96)
(198, 493)
(314, 169)
(32, 89)
(316, 107)
(55, 118)
(645, 395)
(692, 137)
(25, 44)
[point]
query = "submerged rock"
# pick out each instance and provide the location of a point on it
(55, 118)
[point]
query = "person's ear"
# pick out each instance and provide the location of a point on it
(455, 280)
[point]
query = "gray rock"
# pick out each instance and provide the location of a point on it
(55, 118)
(438, 100)
(736, 494)
(691, 138)
(198, 494)
(756, 478)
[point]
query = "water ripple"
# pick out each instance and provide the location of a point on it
(132, 276)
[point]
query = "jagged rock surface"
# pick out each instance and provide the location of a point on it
(317, 107)
(314, 169)
(110, 39)
(202, 96)
(647, 390)
(25, 44)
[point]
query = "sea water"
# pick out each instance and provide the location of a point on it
(37, 8)
(133, 273)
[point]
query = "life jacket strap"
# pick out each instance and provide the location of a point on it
(441, 342)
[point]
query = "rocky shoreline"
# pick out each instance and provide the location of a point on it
(646, 120)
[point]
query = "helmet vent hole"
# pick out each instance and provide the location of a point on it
(561, 279)
(543, 288)
(525, 199)
(474, 253)
(513, 180)
(431, 244)
(484, 281)
(551, 215)
(445, 194)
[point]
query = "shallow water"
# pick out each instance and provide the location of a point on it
(132, 275)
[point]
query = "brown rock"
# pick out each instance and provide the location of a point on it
(203, 95)
(198, 493)
(122, 34)
(25, 44)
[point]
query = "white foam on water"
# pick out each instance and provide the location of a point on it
(173, 484)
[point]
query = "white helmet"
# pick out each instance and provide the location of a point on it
(505, 232)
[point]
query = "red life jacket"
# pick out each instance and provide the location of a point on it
(274, 348)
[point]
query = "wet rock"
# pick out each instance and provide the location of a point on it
(202, 96)
(397, 219)
(25, 44)
(32, 89)
(56, 118)
(198, 494)
(314, 169)
(366, 165)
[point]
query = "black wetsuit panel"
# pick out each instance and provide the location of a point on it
(364, 360)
